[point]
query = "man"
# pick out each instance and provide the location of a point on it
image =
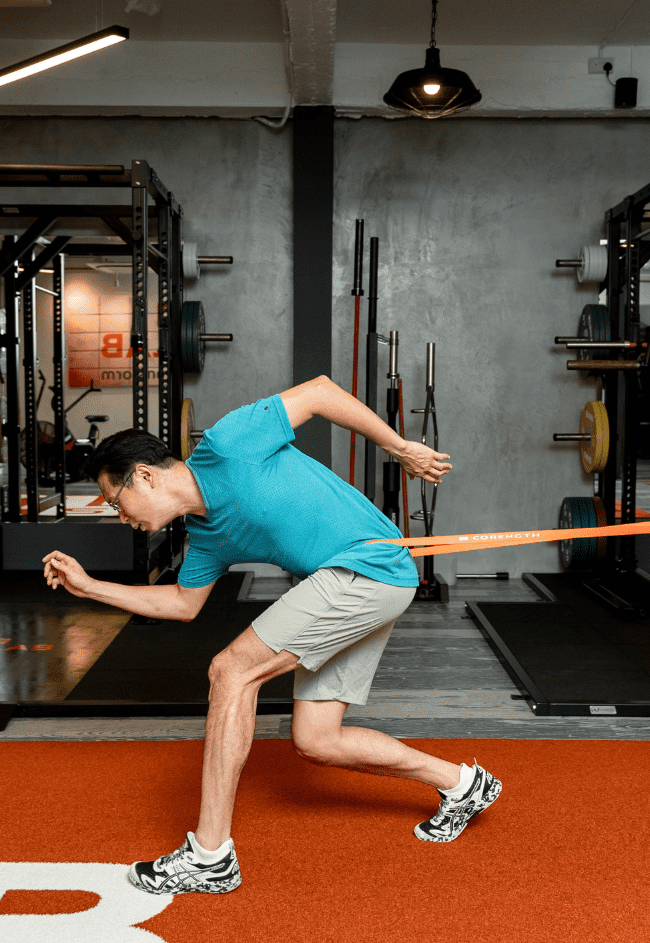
(250, 496)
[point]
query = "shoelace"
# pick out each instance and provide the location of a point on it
(167, 859)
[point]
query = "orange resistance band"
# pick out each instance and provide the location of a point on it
(428, 546)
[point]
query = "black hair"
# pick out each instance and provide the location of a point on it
(117, 456)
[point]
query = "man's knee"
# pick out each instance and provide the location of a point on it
(248, 660)
(320, 752)
(315, 747)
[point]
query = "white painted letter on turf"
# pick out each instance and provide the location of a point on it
(110, 921)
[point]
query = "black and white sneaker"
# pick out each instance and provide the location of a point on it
(454, 814)
(181, 872)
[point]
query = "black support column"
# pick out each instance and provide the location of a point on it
(313, 211)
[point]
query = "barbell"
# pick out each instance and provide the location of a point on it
(193, 337)
(594, 344)
(593, 437)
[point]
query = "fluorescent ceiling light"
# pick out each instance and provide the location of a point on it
(106, 37)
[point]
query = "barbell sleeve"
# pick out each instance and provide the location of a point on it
(571, 437)
(597, 345)
(223, 338)
(214, 259)
(602, 365)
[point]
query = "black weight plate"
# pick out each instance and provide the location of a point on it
(200, 342)
(594, 326)
(566, 522)
(578, 553)
(192, 327)
(578, 545)
(185, 346)
(590, 519)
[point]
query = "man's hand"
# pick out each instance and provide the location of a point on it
(62, 570)
(419, 461)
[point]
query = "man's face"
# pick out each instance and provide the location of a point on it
(145, 502)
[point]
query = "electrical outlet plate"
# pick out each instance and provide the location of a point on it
(597, 65)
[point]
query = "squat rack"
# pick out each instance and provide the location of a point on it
(568, 656)
(133, 224)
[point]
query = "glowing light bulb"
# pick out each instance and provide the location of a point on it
(432, 89)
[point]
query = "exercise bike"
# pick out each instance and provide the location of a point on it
(77, 450)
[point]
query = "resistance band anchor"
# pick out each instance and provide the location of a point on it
(357, 292)
(432, 586)
(392, 468)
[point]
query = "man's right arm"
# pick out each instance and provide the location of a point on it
(163, 602)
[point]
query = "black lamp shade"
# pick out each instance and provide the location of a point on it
(456, 89)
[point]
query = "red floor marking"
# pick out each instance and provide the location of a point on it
(47, 902)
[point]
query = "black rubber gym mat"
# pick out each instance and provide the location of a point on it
(168, 662)
(566, 656)
(632, 637)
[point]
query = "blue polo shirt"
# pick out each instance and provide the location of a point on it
(267, 502)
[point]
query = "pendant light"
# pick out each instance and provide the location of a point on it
(432, 92)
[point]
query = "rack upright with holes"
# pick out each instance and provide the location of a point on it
(26, 538)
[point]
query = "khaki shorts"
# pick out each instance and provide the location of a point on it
(338, 623)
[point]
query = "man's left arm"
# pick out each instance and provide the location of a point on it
(322, 397)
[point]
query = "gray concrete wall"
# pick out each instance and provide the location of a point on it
(233, 180)
(471, 216)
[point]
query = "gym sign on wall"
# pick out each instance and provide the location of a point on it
(98, 335)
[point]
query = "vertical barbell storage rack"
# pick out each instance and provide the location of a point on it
(152, 207)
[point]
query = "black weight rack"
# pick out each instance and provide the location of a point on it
(584, 648)
(150, 228)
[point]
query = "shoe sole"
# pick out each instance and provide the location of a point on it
(480, 807)
(233, 885)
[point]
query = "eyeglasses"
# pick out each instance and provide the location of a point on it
(113, 504)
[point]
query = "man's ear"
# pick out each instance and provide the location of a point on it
(146, 473)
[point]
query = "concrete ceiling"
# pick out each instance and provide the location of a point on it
(460, 22)
(256, 58)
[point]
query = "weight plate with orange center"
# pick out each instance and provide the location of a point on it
(187, 424)
(594, 451)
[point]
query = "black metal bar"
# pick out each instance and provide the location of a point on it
(44, 257)
(62, 177)
(392, 468)
(629, 420)
(372, 365)
(606, 482)
(113, 169)
(175, 372)
(157, 190)
(640, 198)
(140, 275)
(358, 259)
(13, 251)
(119, 228)
(66, 210)
(30, 431)
(11, 505)
(164, 353)
(58, 361)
